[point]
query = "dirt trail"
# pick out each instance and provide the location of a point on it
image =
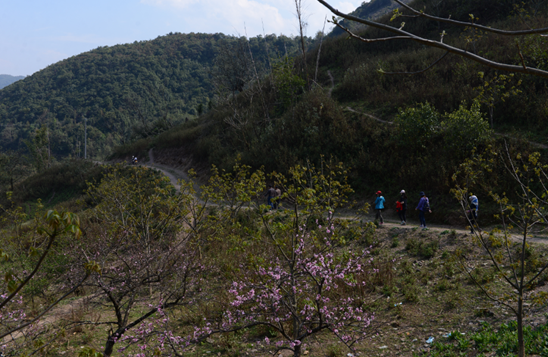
(66, 310)
(369, 116)
(459, 230)
(173, 174)
(534, 144)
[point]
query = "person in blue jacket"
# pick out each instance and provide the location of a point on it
(379, 206)
(423, 206)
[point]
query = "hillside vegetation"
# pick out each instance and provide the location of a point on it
(125, 91)
(147, 268)
(454, 79)
(438, 116)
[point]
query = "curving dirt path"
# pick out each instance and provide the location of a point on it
(369, 116)
(173, 174)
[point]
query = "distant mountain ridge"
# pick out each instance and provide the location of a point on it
(367, 11)
(6, 80)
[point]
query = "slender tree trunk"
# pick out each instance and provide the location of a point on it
(298, 7)
(521, 345)
(297, 352)
(109, 346)
(319, 51)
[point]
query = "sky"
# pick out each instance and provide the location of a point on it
(37, 33)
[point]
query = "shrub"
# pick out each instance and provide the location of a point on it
(421, 248)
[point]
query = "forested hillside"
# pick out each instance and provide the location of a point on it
(125, 91)
(6, 80)
(426, 124)
(379, 77)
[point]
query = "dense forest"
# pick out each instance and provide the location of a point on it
(125, 91)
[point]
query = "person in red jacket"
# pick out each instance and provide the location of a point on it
(401, 207)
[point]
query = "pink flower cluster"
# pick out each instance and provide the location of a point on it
(304, 291)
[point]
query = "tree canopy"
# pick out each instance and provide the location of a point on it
(120, 87)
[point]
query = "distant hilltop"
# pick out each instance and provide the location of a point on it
(6, 80)
(368, 10)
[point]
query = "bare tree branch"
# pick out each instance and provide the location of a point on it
(438, 44)
(473, 25)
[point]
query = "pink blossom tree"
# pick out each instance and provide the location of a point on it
(145, 248)
(291, 276)
(27, 256)
(304, 293)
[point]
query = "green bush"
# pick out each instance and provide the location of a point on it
(502, 341)
(421, 248)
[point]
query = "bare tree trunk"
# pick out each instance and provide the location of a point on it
(319, 51)
(521, 345)
(297, 351)
(302, 25)
(109, 346)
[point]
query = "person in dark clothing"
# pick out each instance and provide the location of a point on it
(422, 207)
(401, 207)
(473, 212)
(270, 194)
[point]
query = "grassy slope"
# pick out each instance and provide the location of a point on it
(419, 292)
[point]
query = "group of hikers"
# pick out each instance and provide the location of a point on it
(401, 208)
(423, 207)
(274, 193)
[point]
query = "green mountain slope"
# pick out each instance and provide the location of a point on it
(446, 85)
(282, 123)
(118, 88)
(367, 10)
(6, 80)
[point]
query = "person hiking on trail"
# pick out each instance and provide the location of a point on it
(269, 195)
(423, 206)
(401, 207)
(278, 197)
(472, 213)
(379, 206)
